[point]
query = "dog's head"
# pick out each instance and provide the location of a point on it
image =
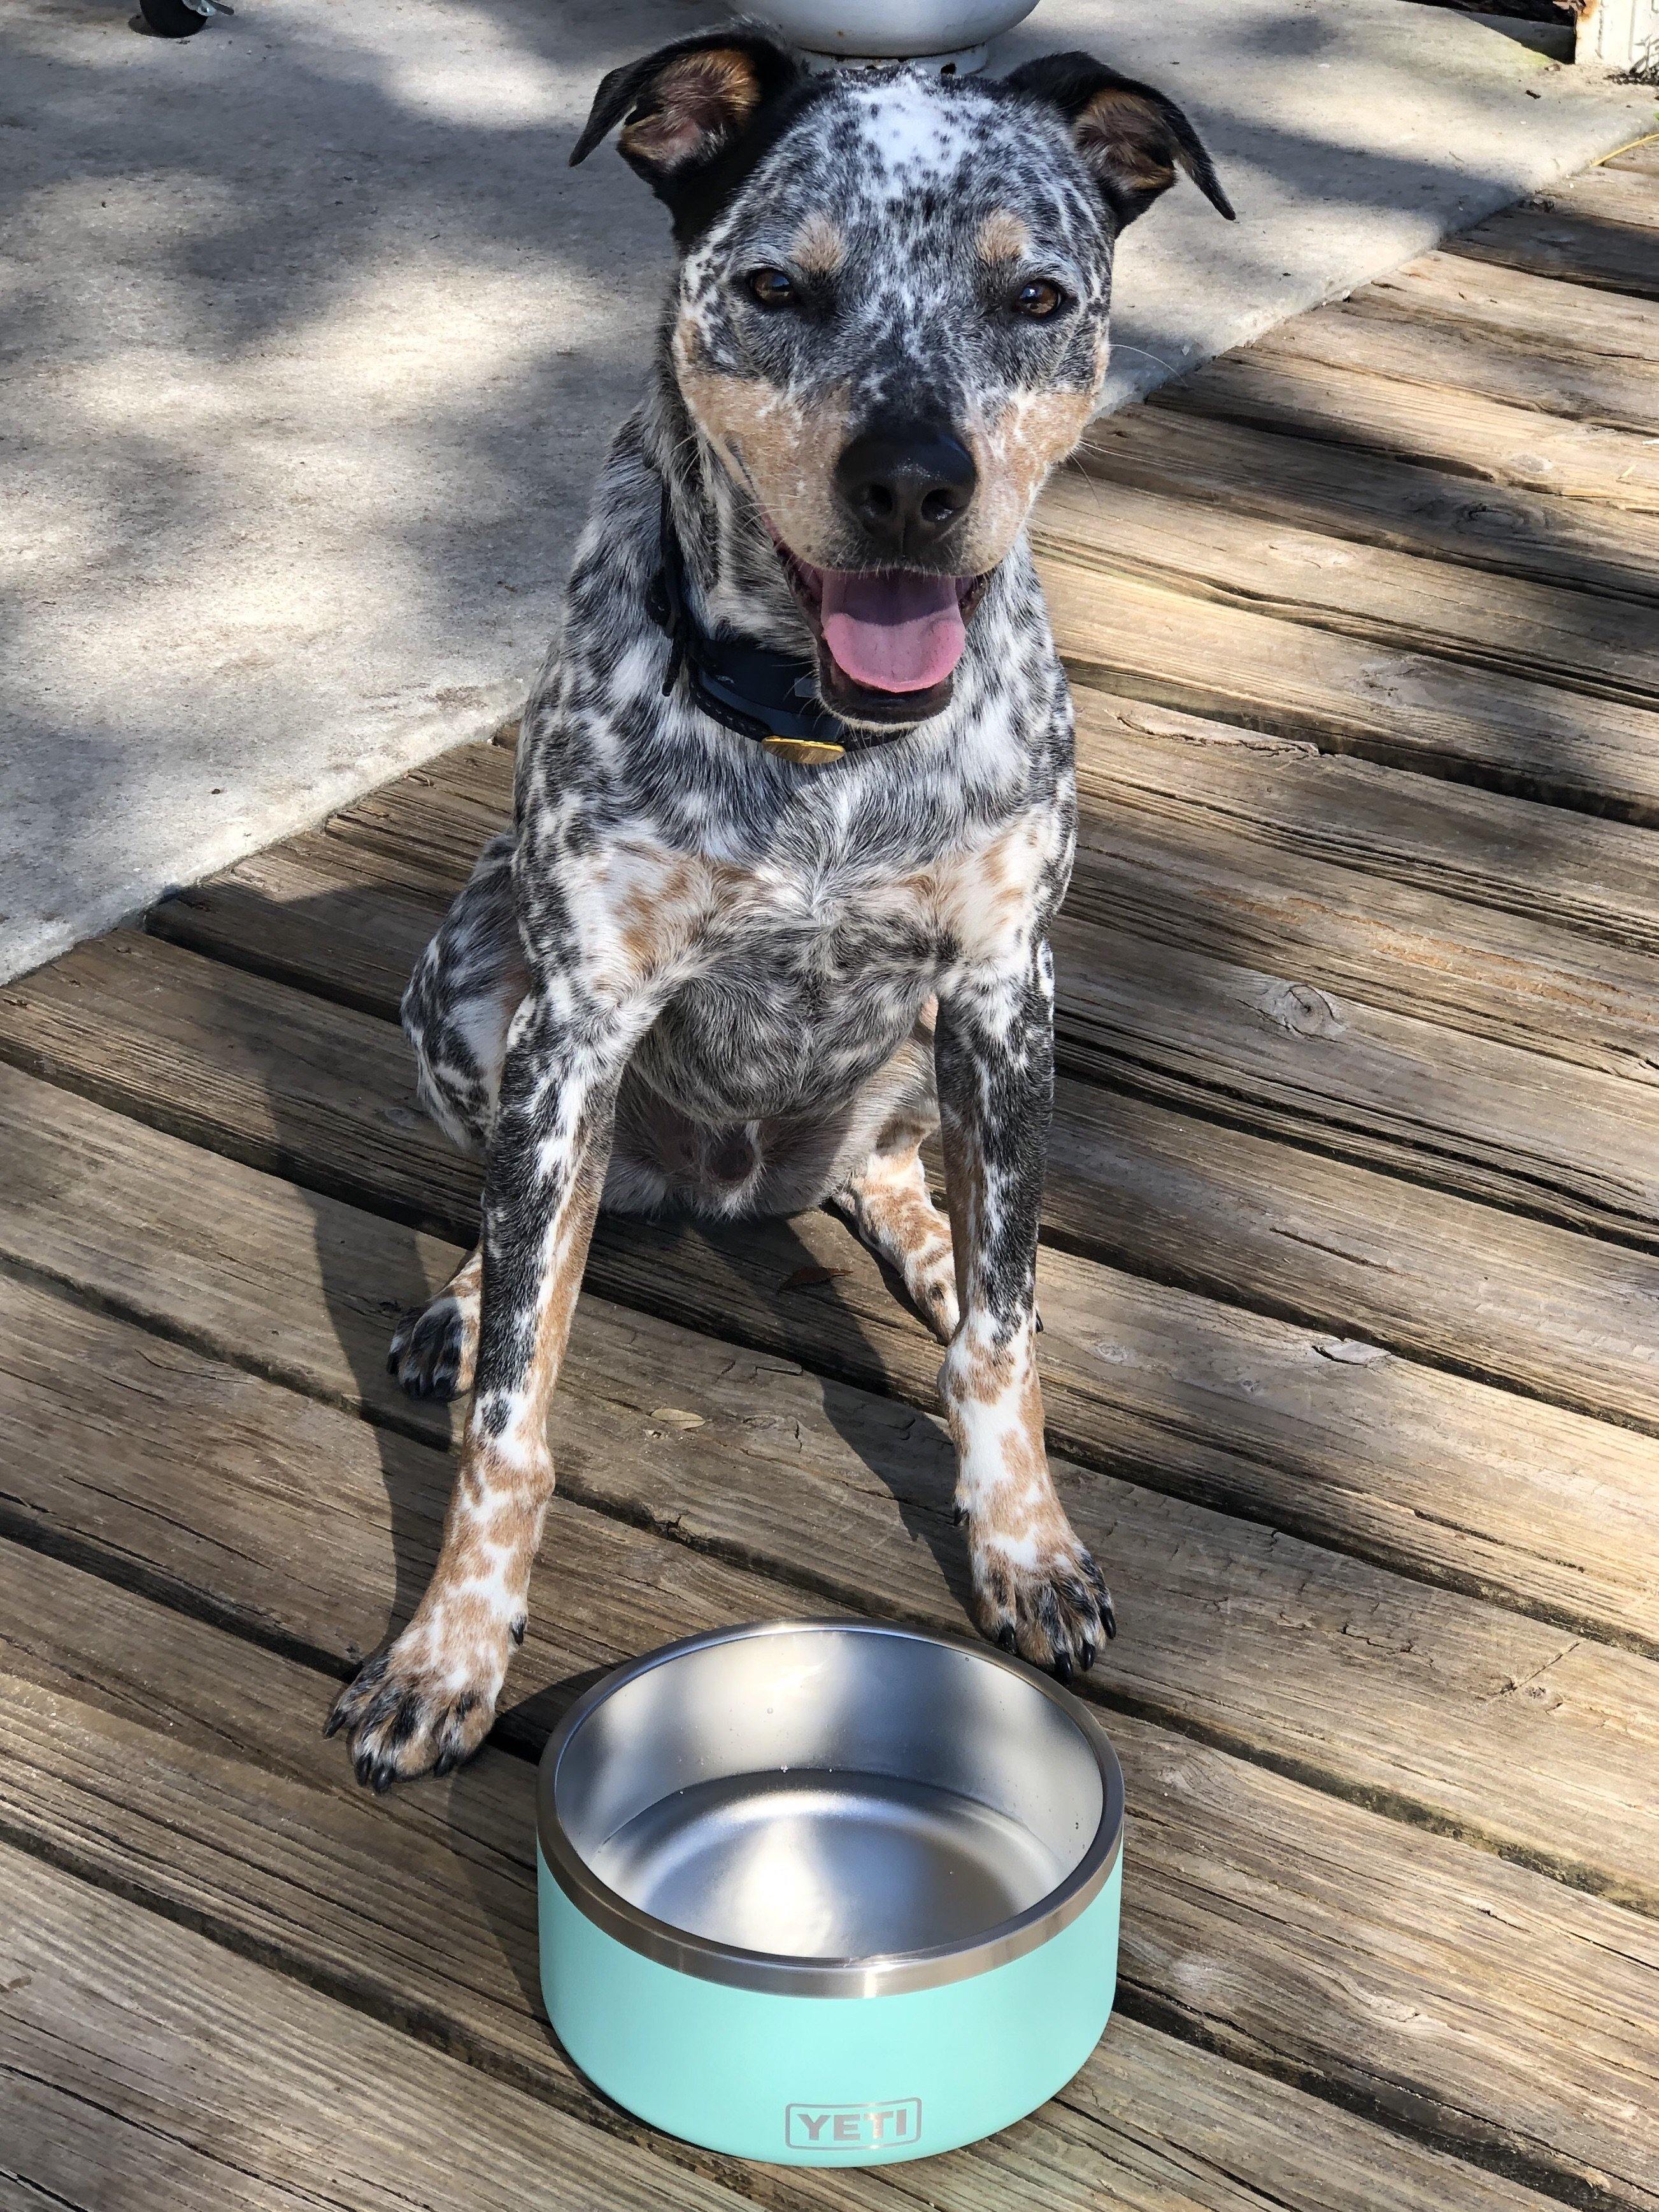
(891, 315)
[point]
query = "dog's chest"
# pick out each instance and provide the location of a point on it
(786, 978)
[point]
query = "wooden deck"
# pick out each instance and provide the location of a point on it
(1351, 1290)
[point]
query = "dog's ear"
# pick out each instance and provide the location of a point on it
(689, 111)
(1131, 138)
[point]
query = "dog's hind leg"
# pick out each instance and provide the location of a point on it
(887, 1203)
(433, 1349)
(467, 987)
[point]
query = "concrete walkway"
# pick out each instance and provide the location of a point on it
(315, 342)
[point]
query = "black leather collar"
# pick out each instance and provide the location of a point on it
(751, 689)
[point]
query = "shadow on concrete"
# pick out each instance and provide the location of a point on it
(319, 341)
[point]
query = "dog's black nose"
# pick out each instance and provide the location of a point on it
(906, 486)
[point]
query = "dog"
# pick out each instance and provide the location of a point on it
(795, 803)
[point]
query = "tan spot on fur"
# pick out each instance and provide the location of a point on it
(688, 345)
(1003, 236)
(1013, 453)
(981, 901)
(502, 1488)
(819, 246)
(784, 451)
(1124, 141)
(893, 1212)
(1016, 1505)
(649, 901)
(698, 102)
(561, 1281)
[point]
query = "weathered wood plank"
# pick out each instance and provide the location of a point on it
(751, 1461)
(1530, 341)
(1598, 229)
(1500, 1497)
(268, 913)
(1445, 513)
(1468, 856)
(301, 1087)
(291, 1522)
(1607, 193)
(1463, 432)
(1641, 159)
(468, 797)
(1277, 1054)
(1153, 865)
(141, 2064)
(1411, 710)
(225, 1809)
(1610, 194)
(1315, 1239)
(1398, 601)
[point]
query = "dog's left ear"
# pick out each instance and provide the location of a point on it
(689, 111)
(1131, 138)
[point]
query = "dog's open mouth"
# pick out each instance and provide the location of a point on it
(889, 639)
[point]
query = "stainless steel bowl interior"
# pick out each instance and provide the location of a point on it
(828, 1793)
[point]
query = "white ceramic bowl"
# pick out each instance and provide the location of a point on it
(885, 30)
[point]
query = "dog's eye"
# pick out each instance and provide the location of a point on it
(1038, 299)
(772, 288)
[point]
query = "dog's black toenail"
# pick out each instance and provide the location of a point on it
(518, 1629)
(1007, 1639)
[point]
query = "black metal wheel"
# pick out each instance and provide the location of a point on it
(171, 19)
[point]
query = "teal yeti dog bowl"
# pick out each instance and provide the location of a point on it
(828, 1893)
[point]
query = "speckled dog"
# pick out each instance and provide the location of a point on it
(795, 796)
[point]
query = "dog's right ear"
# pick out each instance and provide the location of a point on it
(1131, 139)
(690, 110)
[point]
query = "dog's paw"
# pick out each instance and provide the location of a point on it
(433, 1351)
(933, 1288)
(1054, 1609)
(411, 1710)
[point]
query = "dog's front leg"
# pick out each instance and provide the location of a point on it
(427, 1701)
(1036, 1590)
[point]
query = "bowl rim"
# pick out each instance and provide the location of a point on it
(884, 1974)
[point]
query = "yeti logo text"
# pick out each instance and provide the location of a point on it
(855, 2127)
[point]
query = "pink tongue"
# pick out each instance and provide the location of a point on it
(892, 630)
